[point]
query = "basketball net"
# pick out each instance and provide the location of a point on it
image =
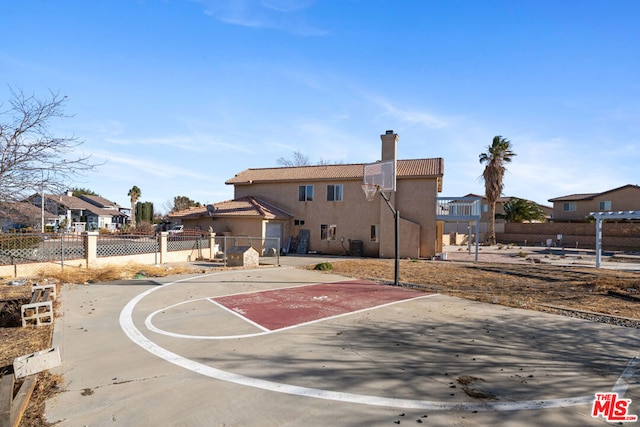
(369, 191)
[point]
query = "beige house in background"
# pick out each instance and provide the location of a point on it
(577, 207)
(326, 202)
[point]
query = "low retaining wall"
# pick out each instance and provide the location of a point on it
(32, 269)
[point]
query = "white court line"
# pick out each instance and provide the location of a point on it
(622, 384)
(129, 328)
(235, 313)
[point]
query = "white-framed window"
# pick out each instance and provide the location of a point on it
(374, 233)
(604, 205)
(569, 207)
(334, 193)
(305, 193)
(328, 231)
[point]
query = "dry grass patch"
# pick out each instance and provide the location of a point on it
(111, 273)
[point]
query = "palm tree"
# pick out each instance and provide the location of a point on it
(134, 195)
(498, 153)
(520, 210)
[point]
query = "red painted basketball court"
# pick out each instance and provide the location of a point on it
(281, 308)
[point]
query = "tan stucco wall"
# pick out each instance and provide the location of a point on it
(354, 216)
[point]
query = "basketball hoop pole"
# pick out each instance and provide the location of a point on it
(369, 191)
(396, 218)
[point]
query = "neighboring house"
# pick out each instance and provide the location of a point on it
(78, 214)
(577, 207)
(123, 214)
(16, 215)
(328, 203)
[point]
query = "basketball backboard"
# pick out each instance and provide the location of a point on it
(381, 174)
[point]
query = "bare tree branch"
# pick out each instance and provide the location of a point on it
(32, 158)
(299, 159)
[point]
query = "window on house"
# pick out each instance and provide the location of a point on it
(605, 205)
(484, 208)
(334, 193)
(305, 193)
(569, 207)
(328, 232)
(298, 222)
(374, 233)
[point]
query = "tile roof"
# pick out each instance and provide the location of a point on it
(242, 207)
(73, 202)
(100, 202)
(15, 209)
(405, 169)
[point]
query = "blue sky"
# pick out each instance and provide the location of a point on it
(177, 96)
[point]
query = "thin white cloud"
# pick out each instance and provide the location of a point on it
(181, 142)
(407, 115)
(139, 165)
(280, 15)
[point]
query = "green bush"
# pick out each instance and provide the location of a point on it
(324, 266)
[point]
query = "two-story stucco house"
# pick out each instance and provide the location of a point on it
(325, 205)
(577, 207)
(79, 214)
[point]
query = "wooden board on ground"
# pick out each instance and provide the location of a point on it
(12, 408)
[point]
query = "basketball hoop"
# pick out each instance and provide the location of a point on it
(369, 191)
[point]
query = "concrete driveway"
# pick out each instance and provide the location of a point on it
(161, 352)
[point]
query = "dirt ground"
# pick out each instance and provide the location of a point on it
(512, 281)
(528, 286)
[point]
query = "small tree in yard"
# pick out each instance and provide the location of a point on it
(181, 203)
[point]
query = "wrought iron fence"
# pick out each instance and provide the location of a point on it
(33, 248)
(126, 244)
